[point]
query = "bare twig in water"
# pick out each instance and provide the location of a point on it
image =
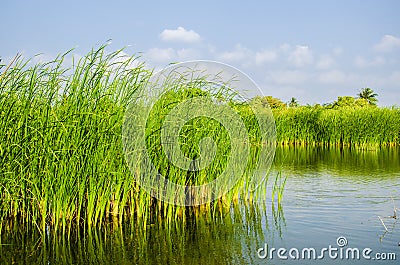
(394, 216)
(383, 224)
(394, 209)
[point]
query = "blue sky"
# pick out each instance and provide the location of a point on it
(312, 50)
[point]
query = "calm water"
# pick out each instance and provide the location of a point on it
(329, 194)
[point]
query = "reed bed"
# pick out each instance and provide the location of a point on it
(345, 126)
(62, 161)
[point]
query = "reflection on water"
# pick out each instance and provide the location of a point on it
(348, 162)
(339, 192)
(329, 193)
(228, 239)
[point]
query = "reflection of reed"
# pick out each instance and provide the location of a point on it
(340, 160)
(393, 217)
(229, 237)
(278, 218)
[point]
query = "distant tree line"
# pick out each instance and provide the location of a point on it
(365, 98)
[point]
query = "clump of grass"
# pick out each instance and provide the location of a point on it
(62, 163)
(61, 158)
(159, 165)
(344, 126)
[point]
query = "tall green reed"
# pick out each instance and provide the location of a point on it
(62, 163)
(61, 159)
(191, 135)
(346, 126)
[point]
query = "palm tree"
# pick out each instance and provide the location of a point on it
(293, 103)
(369, 95)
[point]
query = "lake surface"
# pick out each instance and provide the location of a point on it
(329, 194)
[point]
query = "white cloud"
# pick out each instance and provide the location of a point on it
(301, 56)
(291, 77)
(284, 47)
(40, 58)
(387, 44)
(160, 55)
(332, 77)
(124, 58)
(265, 56)
(361, 62)
(180, 35)
(188, 54)
(337, 51)
(169, 55)
(238, 54)
(325, 62)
